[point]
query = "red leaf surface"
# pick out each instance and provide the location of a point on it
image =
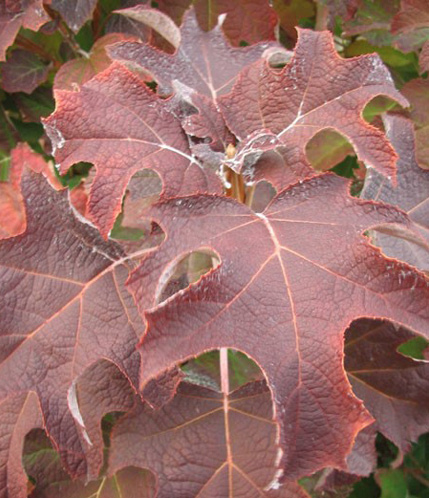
(412, 23)
(139, 133)
(248, 21)
(393, 387)
(65, 307)
(262, 299)
(19, 414)
(74, 12)
(411, 194)
(76, 72)
(211, 444)
(208, 52)
(16, 13)
(317, 90)
(23, 72)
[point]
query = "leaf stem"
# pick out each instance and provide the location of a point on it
(224, 371)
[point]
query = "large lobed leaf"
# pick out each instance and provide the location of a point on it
(118, 124)
(289, 283)
(64, 307)
(317, 90)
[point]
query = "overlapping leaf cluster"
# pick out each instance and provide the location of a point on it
(202, 227)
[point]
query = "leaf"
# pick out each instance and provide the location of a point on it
(23, 72)
(14, 14)
(291, 12)
(317, 90)
(211, 444)
(411, 194)
(64, 307)
(76, 72)
(248, 21)
(154, 19)
(19, 414)
(417, 91)
(75, 12)
(196, 62)
(262, 300)
(139, 133)
(393, 484)
(392, 386)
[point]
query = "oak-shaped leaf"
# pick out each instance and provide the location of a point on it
(411, 194)
(204, 62)
(393, 387)
(205, 443)
(117, 123)
(64, 306)
(23, 72)
(317, 90)
(290, 281)
(14, 14)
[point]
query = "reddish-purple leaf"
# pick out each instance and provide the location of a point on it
(74, 12)
(64, 307)
(265, 300)
(249, 21)
(205, 62)
(317, 90)
(290, 12)
(119, 125)
(411, 194)
(23, 72)
(19, 414)
(78, 71)
(393, 387)
(206, 444)
(16, 13)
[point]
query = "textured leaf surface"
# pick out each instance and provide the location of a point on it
(75, 12)
(393, 387)
(199, 62)
(263, 297)
(317, 90)
(411, 194)
(14, 14)
(233, 444)
(140, 133)
(76, 72)
(64, 307)
(23, 72)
